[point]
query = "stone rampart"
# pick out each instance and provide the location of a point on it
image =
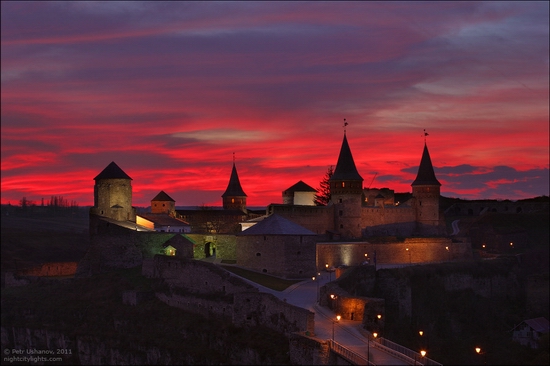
(259, 308)
(314, 218)
(51, 269)
(196, 276)
(198, 305)
(308, 350)
(420, 250)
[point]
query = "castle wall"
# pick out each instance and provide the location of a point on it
(318, 219)
(195, 276)
(286, 256)
(198, 305)
(421, 250)
(388, 220)
(251, 309)
(225, 245)
(306, 350)
(51, 269)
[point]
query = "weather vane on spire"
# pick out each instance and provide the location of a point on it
(345, 124)
(425, 134)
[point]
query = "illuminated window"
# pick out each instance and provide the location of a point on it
(343, 184)
(232, 200)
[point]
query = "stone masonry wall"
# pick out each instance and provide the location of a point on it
(51, 269)
(421, 250)
(258, 308)
(195, 276)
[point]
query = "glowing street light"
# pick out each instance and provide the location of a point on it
(409, 255)
(334, 321)
(480, 352)
(317, 293)
(329, 272)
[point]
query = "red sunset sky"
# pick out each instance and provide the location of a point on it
(170, 90)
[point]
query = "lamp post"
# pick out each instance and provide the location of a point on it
(482, 353)
(332, 297)
(334, 321)
(329, 272)
(422, 354)
(374, 335)
(317, 293)
(448, 252)
(409, 255)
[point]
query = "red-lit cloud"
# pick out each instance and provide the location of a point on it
(170, 90)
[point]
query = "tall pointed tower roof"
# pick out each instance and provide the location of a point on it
(426, 175)
(162, 196)
(234, 187)
(345, 167)
(112, 171)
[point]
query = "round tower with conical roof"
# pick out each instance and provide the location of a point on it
(426, 192)
(113, 194)
(346, 191)
(234, 196)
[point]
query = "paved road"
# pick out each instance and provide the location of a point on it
(348, 333)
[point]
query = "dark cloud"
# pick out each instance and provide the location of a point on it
(171, 89)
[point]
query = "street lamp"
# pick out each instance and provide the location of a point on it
(480, 352)
(409, 255)
(449, 252)
(317, 293)
(329, 272)
(334, 321)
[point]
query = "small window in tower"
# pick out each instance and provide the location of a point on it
(340, 200)
(258, 254)
(427, 189)
(341, 226)
(232, 200)
(163, 205)
(343, 184)
(340, 212)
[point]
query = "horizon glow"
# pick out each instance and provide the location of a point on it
(170, 90)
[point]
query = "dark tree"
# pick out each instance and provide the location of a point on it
(322, 197)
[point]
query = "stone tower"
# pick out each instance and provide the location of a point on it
(234, 196)
(163, 204)
(426, 191)
(346, 191)
(113, 194)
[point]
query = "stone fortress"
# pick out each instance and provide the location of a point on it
(295, 239)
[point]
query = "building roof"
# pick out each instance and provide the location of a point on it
(177, 240)
(345, 167)
(426, 175)
(276, 225)
(162, 196)
(234, 187)
(112, 171)
(125, 224)
(540, 325)
(164, 220)
(300, 187)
